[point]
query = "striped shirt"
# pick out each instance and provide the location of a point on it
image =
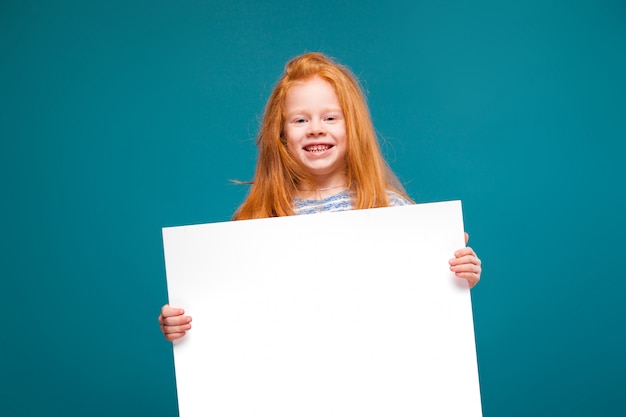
(339, 202)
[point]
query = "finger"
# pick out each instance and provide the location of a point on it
(466, 237)
(464, 251)
(176, 320)
(176, 329)
(467, 259)
(167, 311)
(173, 336)
(466, 267)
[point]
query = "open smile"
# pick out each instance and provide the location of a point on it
(317, 148)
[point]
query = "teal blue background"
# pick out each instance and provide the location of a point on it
(119, 118)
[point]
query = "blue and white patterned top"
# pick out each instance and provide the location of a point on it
(339, 202)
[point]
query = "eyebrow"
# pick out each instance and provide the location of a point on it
(326, 110)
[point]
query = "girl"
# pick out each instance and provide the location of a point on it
(318, 152)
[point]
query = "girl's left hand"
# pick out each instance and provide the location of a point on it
(466, 264)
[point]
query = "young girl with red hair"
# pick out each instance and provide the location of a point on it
(318, 152)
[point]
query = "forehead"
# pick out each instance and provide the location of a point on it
(312, 92)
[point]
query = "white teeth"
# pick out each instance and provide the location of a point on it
(317, 148)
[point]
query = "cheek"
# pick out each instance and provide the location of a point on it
(340, 134)
(290, 141)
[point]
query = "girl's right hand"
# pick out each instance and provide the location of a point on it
(174, 324)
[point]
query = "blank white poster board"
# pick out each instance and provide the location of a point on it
(349, 314)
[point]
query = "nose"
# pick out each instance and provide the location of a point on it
(316, 128)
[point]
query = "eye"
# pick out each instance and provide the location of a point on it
(332, 117)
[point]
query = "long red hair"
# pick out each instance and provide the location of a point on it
(278, 175)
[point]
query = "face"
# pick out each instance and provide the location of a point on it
(315, 130)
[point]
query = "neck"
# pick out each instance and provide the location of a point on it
(320, 193)
(318, 187)
(323, 188)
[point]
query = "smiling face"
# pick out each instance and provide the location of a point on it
(315, 131)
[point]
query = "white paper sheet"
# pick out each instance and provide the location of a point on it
(350, 314)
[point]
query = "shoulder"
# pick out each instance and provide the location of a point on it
(396, 199)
